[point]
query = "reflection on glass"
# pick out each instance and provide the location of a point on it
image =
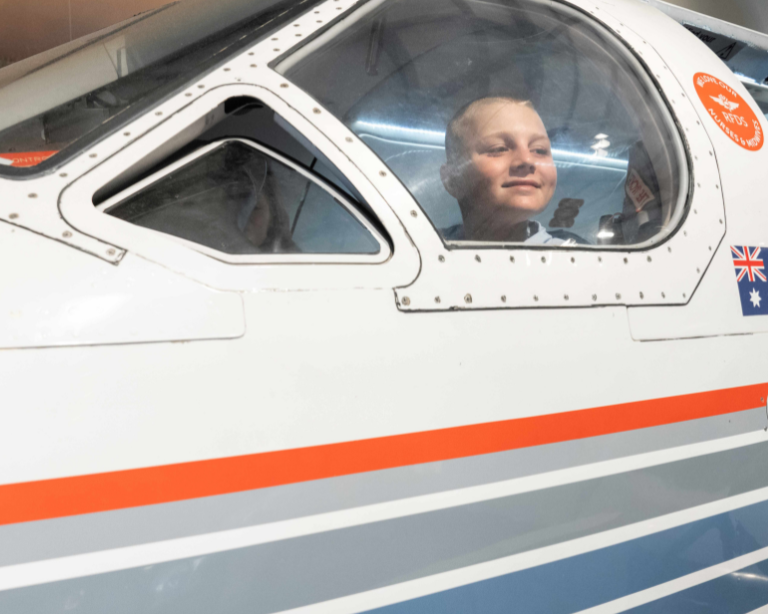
(238, 200)
(611, 171)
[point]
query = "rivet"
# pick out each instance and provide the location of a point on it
(503, 298)
(683, 294)
(66, 234)
(710, 153)
(319, 21)
(382, 173)
(338, 8)
(721, 221)
(316, 111)
(642, 295)
(62, 174)
(695, 212)
(33, 195)
(698, 270)
(626, 261)
(565, 296)
(348, 139)
(669, 249)
(317, 12)
(685, 233)
(93, 155)
(276, 49)
(298, 35)
(594, 297)
(649, 259)
(126, 134)
(663, 295)
(477, 257)
(250, 53)
(283, 85)
(274, 38)
(544, 259)
(441, 258)
(437, 299)
(618, 296)
(201, 86)
(13, 216)
(468, 298)
(698, 123)
(535, 298)
(573, 259)
(111, 252)
(295, 25)
(188, 95)
(256, 66)
(512, 259)
(406, 301)
(158, 113)
(717, 187)
(227, 69)
(710, 248)
(414, 214)
(698, 185)
(599, 258)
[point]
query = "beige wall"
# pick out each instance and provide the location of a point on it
(28, 27)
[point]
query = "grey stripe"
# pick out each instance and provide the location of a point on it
(290, 573)
(26, 542)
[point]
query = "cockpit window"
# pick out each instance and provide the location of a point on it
(237, 197)
(510, 121)
(60, 100)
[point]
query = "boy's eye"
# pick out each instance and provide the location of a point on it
(541, 151)
(496, 150)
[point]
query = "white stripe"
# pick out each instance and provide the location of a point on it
(51, 570)
(476, 573)
(763, 610)
(680, 584)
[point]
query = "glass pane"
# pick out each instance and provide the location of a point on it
(511, 121)
(237, 200)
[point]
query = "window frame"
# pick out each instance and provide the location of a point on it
(382, 255)
(524, 276)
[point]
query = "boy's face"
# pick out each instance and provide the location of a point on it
(507, 163)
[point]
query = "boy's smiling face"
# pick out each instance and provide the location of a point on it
(506, 167)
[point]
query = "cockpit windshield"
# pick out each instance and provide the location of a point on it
(509, 121)
(59, 101)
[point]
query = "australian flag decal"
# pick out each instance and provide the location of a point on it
(751, 279)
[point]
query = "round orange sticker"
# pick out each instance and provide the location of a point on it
(729, 111)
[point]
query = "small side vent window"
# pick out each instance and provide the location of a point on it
(239, 197)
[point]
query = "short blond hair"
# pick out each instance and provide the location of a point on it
(456, 130)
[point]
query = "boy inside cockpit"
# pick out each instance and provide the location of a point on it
(499, 168)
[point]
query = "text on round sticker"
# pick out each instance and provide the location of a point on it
(729, 111)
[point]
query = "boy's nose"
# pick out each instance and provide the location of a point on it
(522, 163)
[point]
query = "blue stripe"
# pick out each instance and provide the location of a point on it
(740, 592)
(589, 579)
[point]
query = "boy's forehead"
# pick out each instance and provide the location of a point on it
(500, 115)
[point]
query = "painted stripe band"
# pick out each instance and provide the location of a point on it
(44, 499)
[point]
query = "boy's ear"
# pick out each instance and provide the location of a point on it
(449, 177)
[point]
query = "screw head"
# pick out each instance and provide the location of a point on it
(565, 297)
(406, 301)
(348, 139)
(62, 174)
(441, 258)
(594, 297)
(414, 214)
(535, 297)
(477, 257)
(382, 173)
(111, 252)
(316, 111)
(503, 298)
(32, 195)
(468, 299)
(618, 296)
(13, 216)
(437, 300)
(66, 234)
(512, 259)
(641, 295)
(544, 259)
(649, 259)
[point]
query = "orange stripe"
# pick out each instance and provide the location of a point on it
(135, 487)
